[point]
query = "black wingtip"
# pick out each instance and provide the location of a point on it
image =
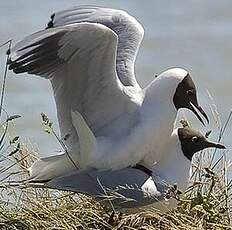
(35, 181)
(9, 62)
(8, 52)
(50, 23)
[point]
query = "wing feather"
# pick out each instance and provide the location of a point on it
(80, 61)
(129, 30)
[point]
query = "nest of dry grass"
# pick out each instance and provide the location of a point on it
(205, 205)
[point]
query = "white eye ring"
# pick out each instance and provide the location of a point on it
(194, 139)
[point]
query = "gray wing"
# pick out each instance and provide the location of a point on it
(129, 30)
(80, 60)
(125, 188)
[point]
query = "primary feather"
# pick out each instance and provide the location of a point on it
(88, 54)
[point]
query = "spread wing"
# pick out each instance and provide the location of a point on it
(128, 29)
(80, 61)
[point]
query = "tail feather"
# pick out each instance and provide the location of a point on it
(48, 168)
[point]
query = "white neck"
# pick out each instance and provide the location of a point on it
(174, 167)
(158, 114)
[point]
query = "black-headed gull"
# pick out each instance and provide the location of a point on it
(88, 54)
(138, 186)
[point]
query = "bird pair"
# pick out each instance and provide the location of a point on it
(119, 135)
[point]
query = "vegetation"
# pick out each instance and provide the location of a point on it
(205, 205)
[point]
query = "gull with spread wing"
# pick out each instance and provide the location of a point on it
(88, 54)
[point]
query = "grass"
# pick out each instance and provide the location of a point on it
(205, 205)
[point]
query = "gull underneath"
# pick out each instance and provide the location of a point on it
(88, 54)
(136, 187)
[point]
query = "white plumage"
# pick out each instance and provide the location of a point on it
(134, 187)
(88, 54)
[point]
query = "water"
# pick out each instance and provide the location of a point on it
(192, 34)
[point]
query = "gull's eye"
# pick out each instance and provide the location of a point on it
(195, 139)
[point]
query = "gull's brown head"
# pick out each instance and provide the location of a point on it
(193, 141)
(186, 97)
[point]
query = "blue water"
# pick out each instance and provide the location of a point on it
(192, 34)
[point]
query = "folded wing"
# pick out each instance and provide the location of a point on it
(125, 188)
